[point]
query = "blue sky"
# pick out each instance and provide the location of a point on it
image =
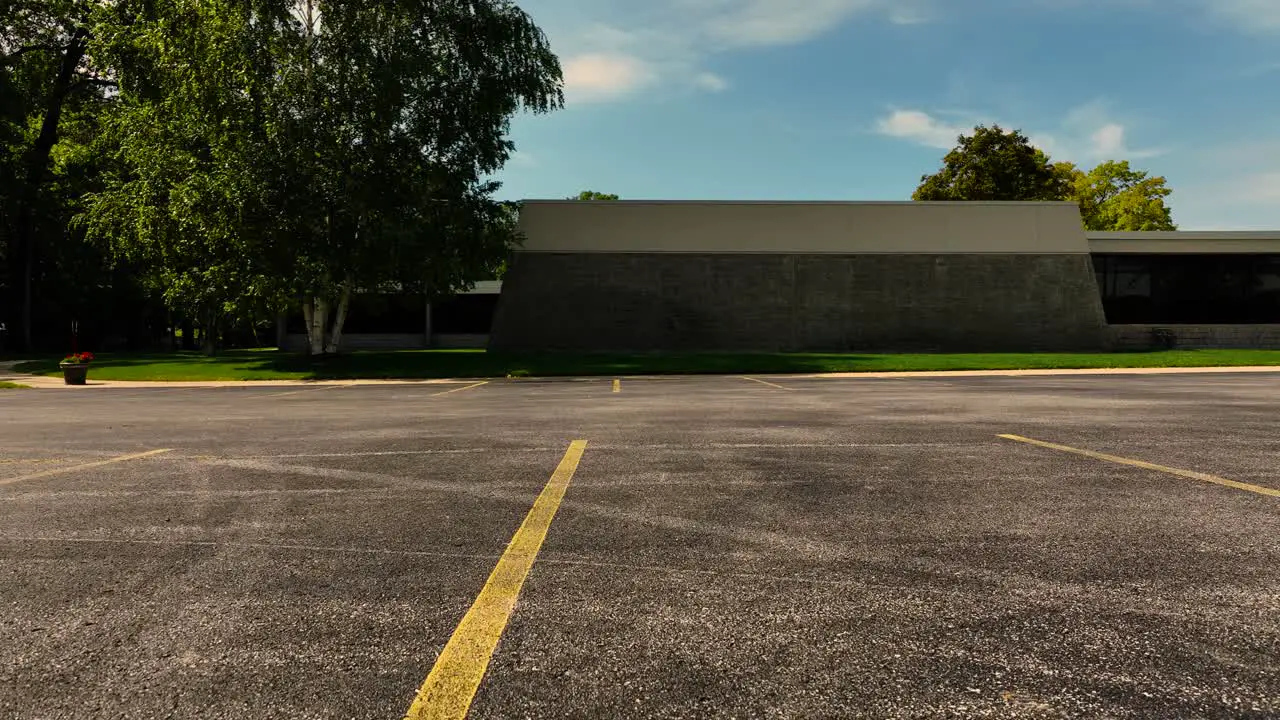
(856, 99)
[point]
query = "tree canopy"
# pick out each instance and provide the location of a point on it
(593, 195)
(1113, 196)
(998, 164)
(992, 164)
(276, 150)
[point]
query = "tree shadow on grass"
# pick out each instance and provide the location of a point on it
(427, 364)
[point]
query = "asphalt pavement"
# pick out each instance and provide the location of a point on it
(727, 547)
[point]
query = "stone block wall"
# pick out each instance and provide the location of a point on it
(798, 302)
(1192, 337)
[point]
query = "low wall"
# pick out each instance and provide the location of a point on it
(1190, 337)
(459, 340)
(394, 341)
(364, 341)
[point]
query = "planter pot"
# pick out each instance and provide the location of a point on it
(75, 374)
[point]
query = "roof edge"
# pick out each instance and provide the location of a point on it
(1186, 235)
(535, 201)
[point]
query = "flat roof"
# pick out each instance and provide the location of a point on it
(1187, 235)
(553, 201)
(1206, 242)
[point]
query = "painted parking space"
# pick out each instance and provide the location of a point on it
(724, 549)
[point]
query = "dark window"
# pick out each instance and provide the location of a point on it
(378, 313)
(464, 314)
(1190, 289)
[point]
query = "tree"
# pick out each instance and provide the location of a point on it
(1112, 196)
(992, 164)
(593, 195)
(309, 149)
(45, 67)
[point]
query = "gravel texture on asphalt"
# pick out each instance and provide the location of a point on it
(808, 548)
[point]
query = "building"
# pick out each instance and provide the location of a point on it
(848, 276)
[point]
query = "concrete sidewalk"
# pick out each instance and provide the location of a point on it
(44, 382)
(1051, 371)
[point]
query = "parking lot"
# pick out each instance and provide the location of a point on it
(769, 547)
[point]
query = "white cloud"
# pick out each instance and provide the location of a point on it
(1108, 140)
(1087, 134)
(597, 77)
(920, 127)
(710, 82)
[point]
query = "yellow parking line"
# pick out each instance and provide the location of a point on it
(452, 683)
(473, 385)
(308, 390)
(1205, 477)
(82, 466)
(617, 385)
(765, 382)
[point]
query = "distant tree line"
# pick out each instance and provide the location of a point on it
(593, 195)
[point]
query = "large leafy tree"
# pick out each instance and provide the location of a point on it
(593, 195)
(1114, 196)
(992, 164)
(275, 149)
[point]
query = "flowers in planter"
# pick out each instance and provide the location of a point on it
(83, 358)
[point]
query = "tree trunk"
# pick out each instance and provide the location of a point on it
(308, 317)
(209, 336)
(28, 263)
(339, 319)
(316, 310)
(208, 341)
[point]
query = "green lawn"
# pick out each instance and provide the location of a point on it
(11, 385)
(276, 365)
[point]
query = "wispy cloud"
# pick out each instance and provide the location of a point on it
(750, 23)
(1253, 16)
(621, 47)
(1231, 185)
(521, 158)
(1259, 188)
(710, 82)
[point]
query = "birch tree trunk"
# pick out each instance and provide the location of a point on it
(339, 319)
(316, 311)
(307, 324)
